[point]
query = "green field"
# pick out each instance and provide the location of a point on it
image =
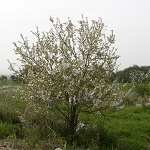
(126, 129)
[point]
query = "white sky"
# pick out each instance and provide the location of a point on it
(130, 20)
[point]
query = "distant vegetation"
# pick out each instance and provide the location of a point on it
(125, 76)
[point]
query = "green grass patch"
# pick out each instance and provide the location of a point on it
(131, 126)
(126, 86)
(8, 129)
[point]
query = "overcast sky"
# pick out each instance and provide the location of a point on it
(130, 20)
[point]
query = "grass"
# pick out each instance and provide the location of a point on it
(126, 86)
(126, 129)
(132, 127)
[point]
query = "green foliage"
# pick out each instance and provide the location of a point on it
(10, 124)
(125, 75)
(143, 89)
(3, 78)
(139, 78)
(7, 130)
(142, 86)
(16, 79)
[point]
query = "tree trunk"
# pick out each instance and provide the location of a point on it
(73, 119)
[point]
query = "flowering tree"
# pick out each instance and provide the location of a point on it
(70, 68)
(141, 82)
